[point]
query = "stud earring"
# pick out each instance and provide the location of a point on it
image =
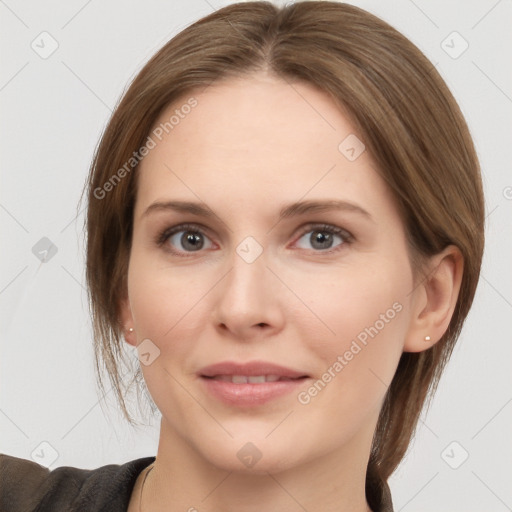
(427, 338)
(130, 329)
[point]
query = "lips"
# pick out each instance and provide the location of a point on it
(250, 384)
(249, 379)
(255, 372)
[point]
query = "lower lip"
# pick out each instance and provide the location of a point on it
(250, 395)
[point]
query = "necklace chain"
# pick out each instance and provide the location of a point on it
(143, 482)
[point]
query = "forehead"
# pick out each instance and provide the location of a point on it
(256, 137)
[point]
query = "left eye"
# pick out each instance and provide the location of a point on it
(190, 240)
(323, 238)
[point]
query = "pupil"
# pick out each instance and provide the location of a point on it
(321, 240)
(192, 241)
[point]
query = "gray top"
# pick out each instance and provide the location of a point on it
(28, 487)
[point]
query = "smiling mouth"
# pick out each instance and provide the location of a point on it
(252, 379)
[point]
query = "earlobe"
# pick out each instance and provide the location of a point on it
(127, 324)
(435, 300)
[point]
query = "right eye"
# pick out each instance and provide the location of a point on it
(185, 238)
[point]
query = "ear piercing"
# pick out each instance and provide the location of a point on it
(130, 329)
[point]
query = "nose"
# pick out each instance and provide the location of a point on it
(247, 301)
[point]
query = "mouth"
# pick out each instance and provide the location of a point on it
(253, 372)
(252, 379)
(250, 384)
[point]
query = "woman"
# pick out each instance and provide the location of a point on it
(285, 218)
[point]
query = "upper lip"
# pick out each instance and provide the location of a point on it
(250, 369)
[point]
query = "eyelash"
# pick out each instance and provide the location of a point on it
(165, 234)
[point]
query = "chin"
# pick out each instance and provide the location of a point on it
(248, 454)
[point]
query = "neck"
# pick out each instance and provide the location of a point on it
(181, 479)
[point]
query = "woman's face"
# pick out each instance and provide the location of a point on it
(321, 290)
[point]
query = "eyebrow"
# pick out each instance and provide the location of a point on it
(290, 210)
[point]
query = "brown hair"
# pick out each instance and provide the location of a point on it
(401, 107)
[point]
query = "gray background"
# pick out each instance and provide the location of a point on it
(54, 110)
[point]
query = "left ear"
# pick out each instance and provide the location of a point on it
(126, 319)
(434, 300)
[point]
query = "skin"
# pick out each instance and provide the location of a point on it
(248, 148)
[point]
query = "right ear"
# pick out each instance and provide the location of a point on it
(126, 318)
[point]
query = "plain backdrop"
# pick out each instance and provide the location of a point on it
(64, 66)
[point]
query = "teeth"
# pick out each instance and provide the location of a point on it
(252, 379)
(257, 379)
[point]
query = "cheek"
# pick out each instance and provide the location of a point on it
(162, 296)
(171, 307)
(364, 319)
(162, 304)
(350, 300)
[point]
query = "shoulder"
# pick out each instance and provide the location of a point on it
(27, 486)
